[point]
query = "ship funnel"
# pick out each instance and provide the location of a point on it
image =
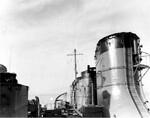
(118, 69)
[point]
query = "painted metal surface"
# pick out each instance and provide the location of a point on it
(83, 96)
(117, 84)
(13, 96)
(13, 100)
(84, 90)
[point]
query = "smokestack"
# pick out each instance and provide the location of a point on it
(118, 88)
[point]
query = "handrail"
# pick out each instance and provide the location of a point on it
(57, 98)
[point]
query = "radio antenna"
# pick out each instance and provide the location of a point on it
(75, 61)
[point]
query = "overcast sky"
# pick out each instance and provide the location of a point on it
(37, 35)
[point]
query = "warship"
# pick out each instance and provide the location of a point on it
(112, 89)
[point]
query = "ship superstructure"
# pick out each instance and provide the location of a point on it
(13, 96)
(118, 58)
(112, 89)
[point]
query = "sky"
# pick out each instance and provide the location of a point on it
(37, 35)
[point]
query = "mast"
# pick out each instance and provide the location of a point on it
(75, 61)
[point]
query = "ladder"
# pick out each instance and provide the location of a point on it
(132, 89)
